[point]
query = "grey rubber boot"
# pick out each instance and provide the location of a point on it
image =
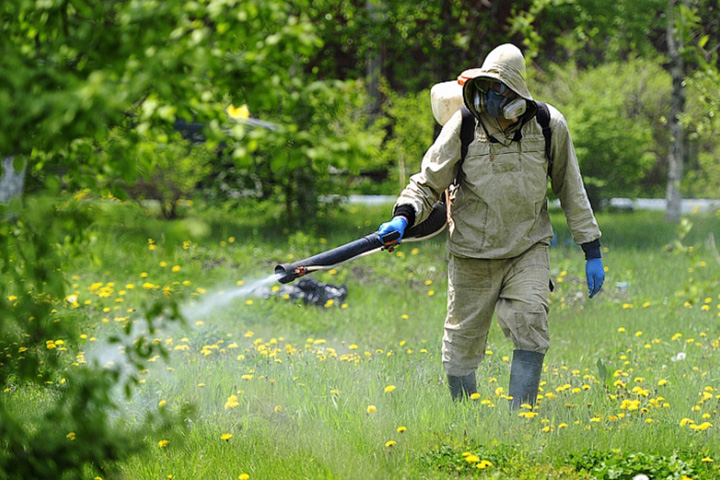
(462, 387)
(525, 377)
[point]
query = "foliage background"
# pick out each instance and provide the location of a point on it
(93, 95)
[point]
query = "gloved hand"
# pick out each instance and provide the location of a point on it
(397, 224)
(595, 273)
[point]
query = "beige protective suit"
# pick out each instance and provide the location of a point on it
(499, 227)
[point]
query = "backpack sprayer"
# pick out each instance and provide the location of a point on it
(435, 223)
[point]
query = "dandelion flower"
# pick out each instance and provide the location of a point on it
(162, 403)
(232, 402)
(389, 388)
(244, 476)
(707, 460)
(163, 443)
(472, 458)
(226, 436)
(70, 436)
(402, 429)
(679, 357)
(528, 414)
(390, 443)
(371, 409)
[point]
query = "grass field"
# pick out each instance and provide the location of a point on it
(355, 389)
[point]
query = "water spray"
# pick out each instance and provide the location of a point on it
(369, 244)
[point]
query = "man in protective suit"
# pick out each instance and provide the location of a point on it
(499, 228)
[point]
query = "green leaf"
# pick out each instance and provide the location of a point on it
(703, 41)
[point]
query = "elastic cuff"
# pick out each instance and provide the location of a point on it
(591, 249)
(406, 211)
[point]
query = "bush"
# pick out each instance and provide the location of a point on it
(615, 113)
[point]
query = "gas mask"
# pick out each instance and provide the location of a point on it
(491, 97)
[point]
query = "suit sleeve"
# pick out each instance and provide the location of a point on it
(437, 172)
(568, 185)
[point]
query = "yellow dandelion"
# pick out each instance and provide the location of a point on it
(163, 443)
(176, 268)
(70, 436)
(232, 402)
(470, 458)
(238, 113)
(162, 403)
(474, 396)
(243, 476)
(371, 409)
(707, 460)
(402, 429)
(226, 436)
(390, 443)
(389, 388)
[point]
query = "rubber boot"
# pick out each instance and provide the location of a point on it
(525, 377)
(462, 387)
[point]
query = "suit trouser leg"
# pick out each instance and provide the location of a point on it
(518, 287)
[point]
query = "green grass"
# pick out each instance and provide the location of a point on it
(304, 377)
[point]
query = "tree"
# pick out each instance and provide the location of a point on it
(673, 210)
(90, 93)
(686, 34)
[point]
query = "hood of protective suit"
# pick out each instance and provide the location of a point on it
(505, 64)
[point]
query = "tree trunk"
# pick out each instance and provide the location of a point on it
(673, 210)
(12, 181)
(374, 64)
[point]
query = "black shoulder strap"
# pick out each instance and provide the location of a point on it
(467, 135)
(543, 118)
(467, 131)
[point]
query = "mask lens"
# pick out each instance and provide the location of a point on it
(485, 86)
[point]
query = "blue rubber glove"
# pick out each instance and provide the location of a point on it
(595, 273)
(397, 224)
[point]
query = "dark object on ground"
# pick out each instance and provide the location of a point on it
(311, 291)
